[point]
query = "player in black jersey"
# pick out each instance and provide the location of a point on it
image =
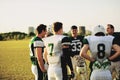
(115, 64)
(36, 51)
(65, 58)
(76, 45)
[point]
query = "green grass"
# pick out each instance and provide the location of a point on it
(14, 60)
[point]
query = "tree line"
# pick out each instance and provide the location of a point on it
(21, 35)
(15, 36)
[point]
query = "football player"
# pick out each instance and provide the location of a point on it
(76, 45)
(100, 47)
(66, 62)
(36, 51)
(53, 52)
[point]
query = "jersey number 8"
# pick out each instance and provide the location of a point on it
(101, 51)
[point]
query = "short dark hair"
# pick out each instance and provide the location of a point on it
(57, 26)
(111, 26)
(40, 28)
(100, 34)
(74, 27)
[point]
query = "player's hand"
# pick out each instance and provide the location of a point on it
(45, 77)
(96, 65)
(46, 66)
(44, 70)
(93, 60)
(72, 75)
(106, 64)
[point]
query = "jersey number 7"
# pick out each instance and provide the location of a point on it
(51, 45)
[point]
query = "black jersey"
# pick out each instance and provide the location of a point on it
(76, 45)
(65, 58)
(117, 40)
(35, 42)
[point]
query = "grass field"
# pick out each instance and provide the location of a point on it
(14, 60)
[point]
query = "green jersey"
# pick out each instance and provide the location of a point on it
(35, 42)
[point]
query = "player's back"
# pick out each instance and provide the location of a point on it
(54, 48)
(100, 46)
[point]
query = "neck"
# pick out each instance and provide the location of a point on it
(58, 33)
(39, 35)
(110, 34)
(74, 36)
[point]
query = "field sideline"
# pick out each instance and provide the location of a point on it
(14, 60)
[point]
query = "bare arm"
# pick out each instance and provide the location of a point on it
(84, 54)
(117, 49)
(40, 59)
(45, 55)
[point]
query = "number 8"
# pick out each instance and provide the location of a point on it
(101, 51)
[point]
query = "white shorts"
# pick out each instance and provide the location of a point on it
(35, 71)
(55, 72)
(101, 75)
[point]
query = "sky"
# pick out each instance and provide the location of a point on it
(18, 15)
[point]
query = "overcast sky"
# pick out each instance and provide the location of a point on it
(18, 15)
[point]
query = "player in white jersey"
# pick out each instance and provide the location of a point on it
(53, 52)
(100, 47)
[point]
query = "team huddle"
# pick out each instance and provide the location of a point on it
(61, 57)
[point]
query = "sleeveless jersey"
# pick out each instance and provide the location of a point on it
(53, 45)
(100, 46)
(35, 42)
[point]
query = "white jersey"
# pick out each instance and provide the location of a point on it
(53, 45)
(100, 46)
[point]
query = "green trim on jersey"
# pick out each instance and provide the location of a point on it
(32, 47)
(35, 39)
(33, 60)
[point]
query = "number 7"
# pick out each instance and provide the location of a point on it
(51, 45)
